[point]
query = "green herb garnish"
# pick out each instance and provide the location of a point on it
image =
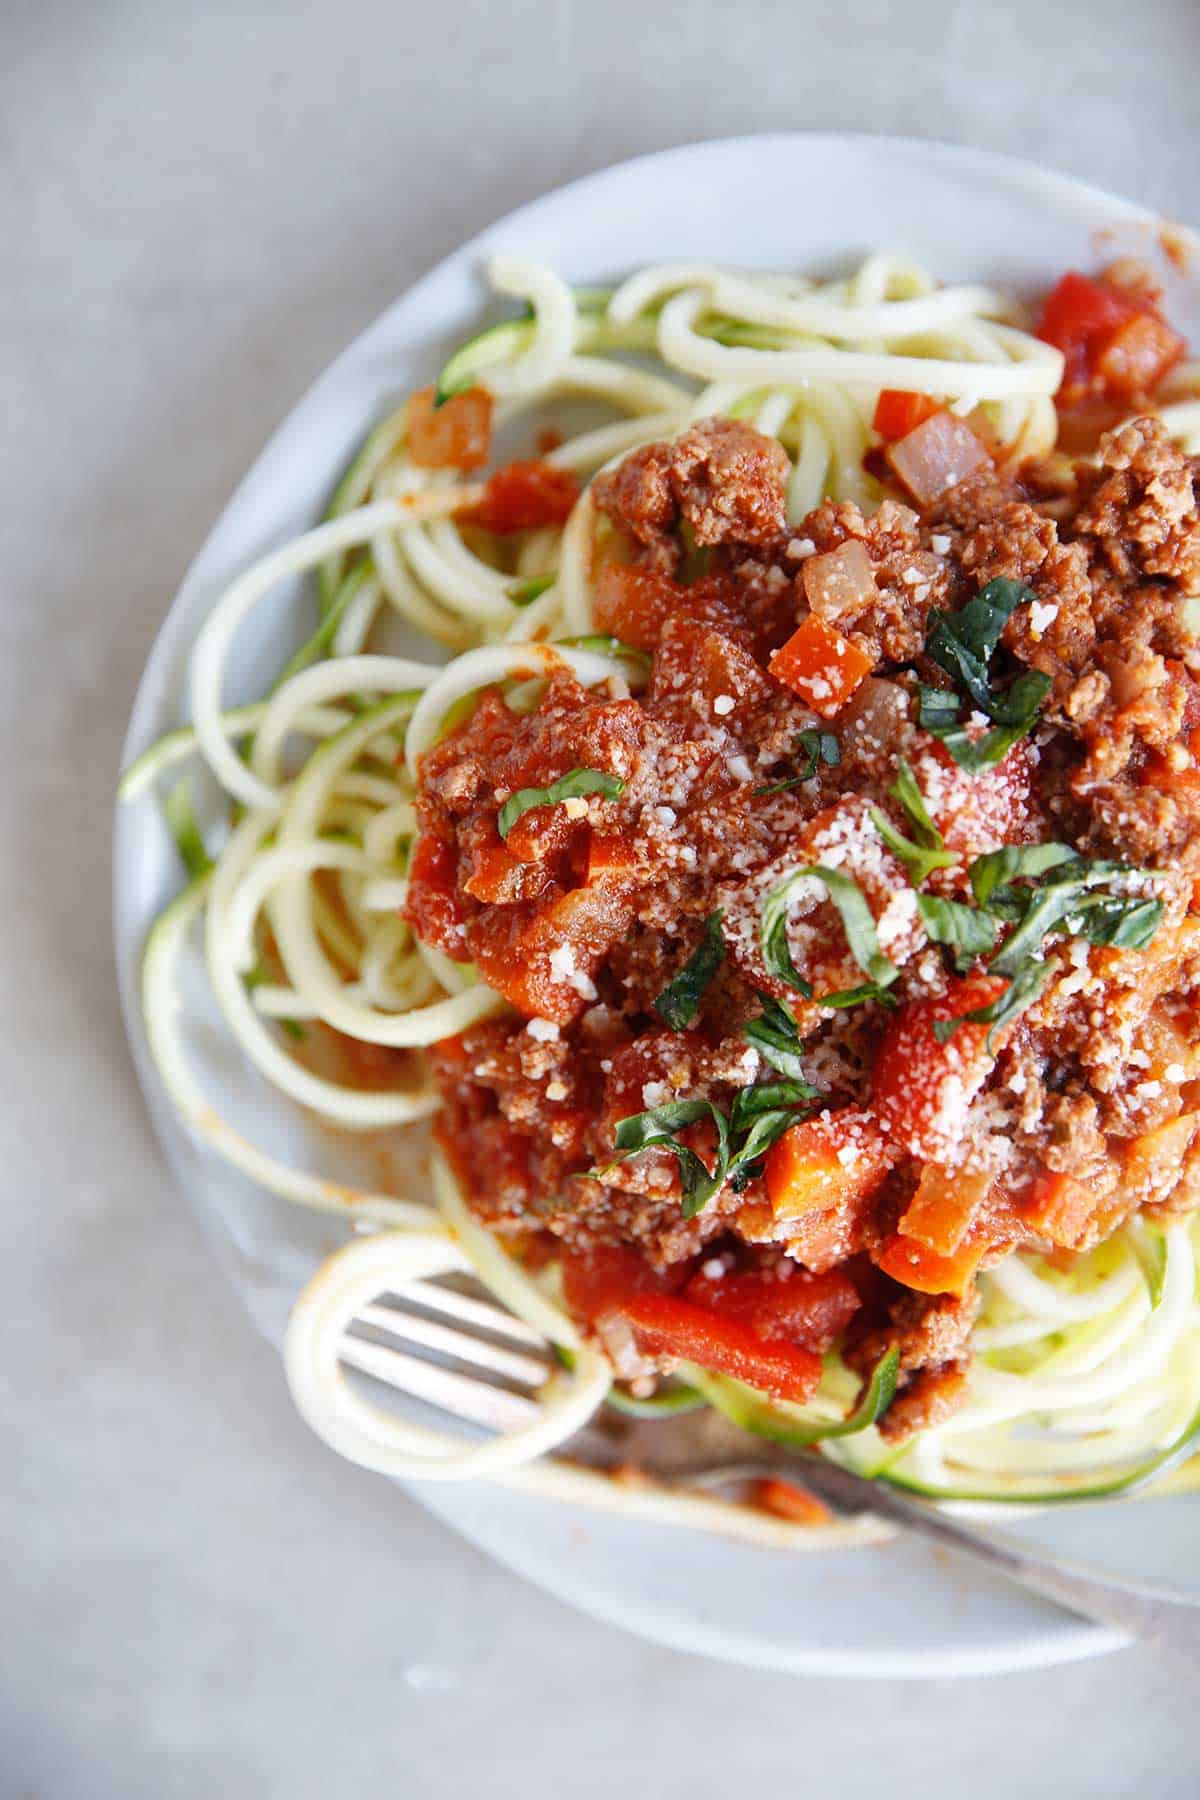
(775, 1036)
(817, 747)
(926, 850)
(575, 783)
(963, 644)
(679, 1002)
(969, 932)
(1021, 992)
(858, 923)
(657, 1129)
(1061, 896)
(758, 1117)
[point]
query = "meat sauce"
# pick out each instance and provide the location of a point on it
(923, 1154)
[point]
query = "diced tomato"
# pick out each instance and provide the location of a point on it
(667, 1326)
(1138, 355)
(921, 1089)
(772, 1494)
(523, 496)
(455, 435)
(803, 1308)
(634, 604)
(609, 856)
(939, 1214)
(542, 957)
(1115, 343)
(975, 812)
(820, 665)
(1058, 1207)
(822, 1162)
(600, 1280)
(897, 412)
(917, 1266)
(433, 907)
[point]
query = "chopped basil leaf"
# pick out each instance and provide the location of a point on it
(775, 1037)
(963, 644)
(928, 852)
(855, 996)
(765, 1130)
(759, 1116)
(858, 922)
(524, 593)
(969, 932)
(817, 747)
(679, 1002)
(765, 1096)
(907, 790)
(574, 783)
(1065, 900)
(1021, 992)
(999, 867)
(1122, 923)
(772, 937)
(656, 1129)
(971, 754)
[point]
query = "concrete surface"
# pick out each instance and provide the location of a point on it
(199, 204)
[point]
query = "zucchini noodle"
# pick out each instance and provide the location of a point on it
(1085, 1379)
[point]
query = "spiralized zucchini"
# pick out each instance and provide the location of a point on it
(1085, 1380)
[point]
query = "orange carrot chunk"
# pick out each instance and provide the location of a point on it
(915, 1265)
(820, 665)
(897, 413)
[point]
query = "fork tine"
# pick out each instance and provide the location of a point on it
(460, 1394)
(527, 1369)
(471, 1311)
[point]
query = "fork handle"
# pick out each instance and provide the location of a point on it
(1164, 1621)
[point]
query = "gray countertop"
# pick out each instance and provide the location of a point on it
(200, 206)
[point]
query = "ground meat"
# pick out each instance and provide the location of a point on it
(1139, 508)
(587, 915)
(910, 578)
(721, 478)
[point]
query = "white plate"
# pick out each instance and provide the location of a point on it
(814, 203)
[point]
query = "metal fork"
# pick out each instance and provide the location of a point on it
(495, 1384)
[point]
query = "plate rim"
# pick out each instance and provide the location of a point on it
(153, 700)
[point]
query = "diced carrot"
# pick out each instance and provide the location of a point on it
(524, 496)
(820, 665)
(825, 1160)
(916, 1266)
(456, 435)
(940, 1212)
(1153, 1160)
(1058, 1207)
(772, 1494)
(840, 579)
(665, 1326)
(897, 412)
